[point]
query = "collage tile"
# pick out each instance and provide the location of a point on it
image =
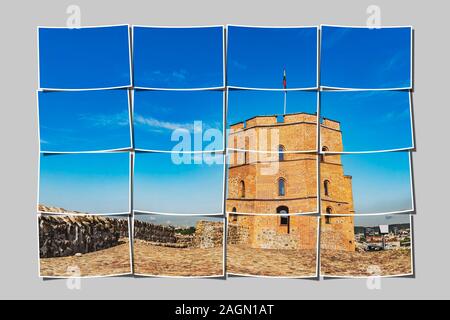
(366, 140)
(203, 152)
(90, 58)
(84, 245)
(178, 58)
(179, 246)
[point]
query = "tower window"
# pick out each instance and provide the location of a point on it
(280, 153)
(322, 156)
(329, 210)
(234, 217)
(281, 187)
(242, 189)
(326, 187)
(284, 220)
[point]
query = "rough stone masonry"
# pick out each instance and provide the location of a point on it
(62, 236)
(208, 234)
(68, 235)
(154, 233)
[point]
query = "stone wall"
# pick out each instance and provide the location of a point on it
(270, 239)
(208, 234)
(267, 232)
(154, 233)
(238, 234)
(62, 236)
(331, 240)
(337, 234)
(184, 240)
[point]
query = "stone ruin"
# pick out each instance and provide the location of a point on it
(68, 235)
(154, 233)
(62, 236)
(207, 234)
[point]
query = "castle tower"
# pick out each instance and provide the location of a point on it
(337, 233)
(274, 183)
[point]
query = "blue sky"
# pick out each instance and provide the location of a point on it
(366, 58)
(158, 113)
(370, 120)
(381, 181)
(375, 221)
(257, 57)
(180, 221)
(162, 186)
(178, 57)
(84, 120)
(89, 183)
(84, 58)
(245, 104)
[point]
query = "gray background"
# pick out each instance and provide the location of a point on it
(19, 254)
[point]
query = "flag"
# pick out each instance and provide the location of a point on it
(284, 78)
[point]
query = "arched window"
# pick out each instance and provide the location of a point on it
(280, 153)
(242, 189)
(234, 216)
(329, 210)
(322, 156)
(281, 187)
(284, 220)
(326, 187)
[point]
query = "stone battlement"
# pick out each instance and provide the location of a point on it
(68, 235)
(62, 236)
(290, 118)
(331, 124)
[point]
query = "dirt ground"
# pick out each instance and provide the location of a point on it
(112, 261)
(164, 261)
(357, 264)
(182, 262)
(274, 263)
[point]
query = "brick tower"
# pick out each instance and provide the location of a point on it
(337, 233)
(275, 183)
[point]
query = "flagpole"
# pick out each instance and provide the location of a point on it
(284, 87)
